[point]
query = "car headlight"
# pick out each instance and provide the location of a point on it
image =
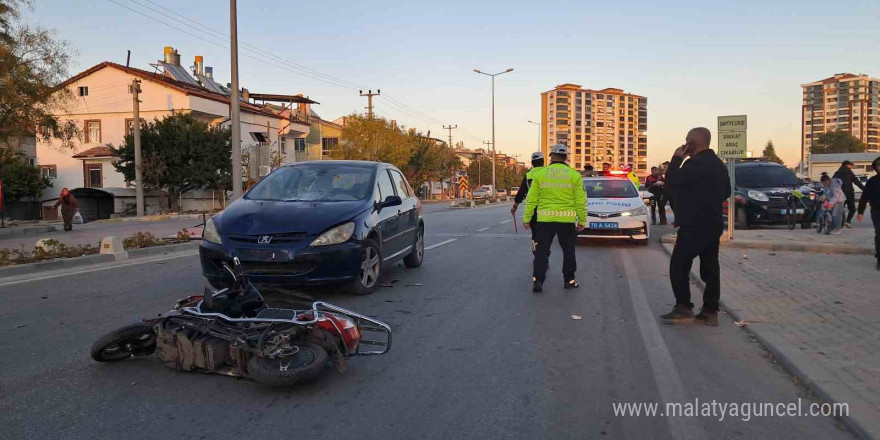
(758, 195)
(634, 212)
(210, 233)
(336, 235)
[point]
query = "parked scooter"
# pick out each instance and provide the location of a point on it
(233, 332)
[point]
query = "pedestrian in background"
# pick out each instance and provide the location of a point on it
(871, 194)
(588, 170)
(848, 178)
(696, 189)
(558, 197)
(655, 183)
(69, 206)
(835, 198)
(537, 163)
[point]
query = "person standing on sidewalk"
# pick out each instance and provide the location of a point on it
(655, 183)
(696, 189)
(537, 163)
(558, 197)
(871, 194)
(69, 206)
(848, 178)
(835, 198)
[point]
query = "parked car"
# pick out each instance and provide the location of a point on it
(502, 193)
(481, 193)
(317, 223)
(615, 209)
(514, 191)
(762, 191)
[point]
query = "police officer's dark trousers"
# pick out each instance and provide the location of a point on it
(693, 242)
(567, 240)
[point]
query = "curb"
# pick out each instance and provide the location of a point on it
(151, 218)
(863, 419)
(32, 230)
(818, 248)
(88, 260)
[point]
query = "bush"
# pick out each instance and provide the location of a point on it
(55, 250)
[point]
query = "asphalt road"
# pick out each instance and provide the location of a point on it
(476, 355)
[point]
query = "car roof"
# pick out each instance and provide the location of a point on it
(758, 164)
(361, 163)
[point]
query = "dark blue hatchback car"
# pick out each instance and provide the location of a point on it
(317, 223)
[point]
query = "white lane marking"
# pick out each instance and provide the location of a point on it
(436, 245)
(481, 230)
(96, 269)
(505, 221)
(666, 376)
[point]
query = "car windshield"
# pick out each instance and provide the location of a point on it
(765, 177)
(315, 183)
(610, 189)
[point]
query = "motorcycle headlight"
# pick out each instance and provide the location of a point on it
(210, 233)
(758, 195)
(634, 212)
(336, 235)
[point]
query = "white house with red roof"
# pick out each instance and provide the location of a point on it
(103, 108)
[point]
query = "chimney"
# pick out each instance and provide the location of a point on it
(209, 72)
(199, 64)
(171, 56)
(245, 94)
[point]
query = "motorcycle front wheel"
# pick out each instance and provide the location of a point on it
(305, 364)
(135, 340)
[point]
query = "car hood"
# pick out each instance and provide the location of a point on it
(613, 205)
(254, 217)
(780, 191)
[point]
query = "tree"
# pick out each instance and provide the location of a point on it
(428, 161)
(32, 65)
(179, 153)
(19, 179)
(836, 142)
(373, 139)
(770, 153)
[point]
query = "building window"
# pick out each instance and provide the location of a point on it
(129, 125)
(82, 91)
(329, 143)
(260, 137)
(49, 171)
(299, 145)
(93, 131)
(94, 177)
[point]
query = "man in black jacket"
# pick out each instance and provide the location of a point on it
(696, 190)
(537, 162)
(871, 194)
(845, 174)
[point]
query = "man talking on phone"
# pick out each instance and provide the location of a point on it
(697, 184)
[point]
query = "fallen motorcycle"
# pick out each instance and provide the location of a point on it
(233, 332)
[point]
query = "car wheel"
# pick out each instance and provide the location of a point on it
(643, 242)
(742, 222)
(367, 278)
(414, 259)
(807, 225)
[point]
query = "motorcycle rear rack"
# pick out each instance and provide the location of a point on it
(363, 322)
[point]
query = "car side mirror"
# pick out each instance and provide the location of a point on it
(391, 201)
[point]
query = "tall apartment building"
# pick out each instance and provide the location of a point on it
(843, 102)
(599, 126)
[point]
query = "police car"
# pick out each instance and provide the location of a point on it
(615, 209)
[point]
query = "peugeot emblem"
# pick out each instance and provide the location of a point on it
(264, 239)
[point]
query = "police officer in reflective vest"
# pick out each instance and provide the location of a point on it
(557, 191)
(537, 163)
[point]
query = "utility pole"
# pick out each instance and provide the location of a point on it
(136, 134)
(452, 181)
(234, 116)
(480, 165)
(370, 96)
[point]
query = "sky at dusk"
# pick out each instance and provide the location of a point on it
(693, 61)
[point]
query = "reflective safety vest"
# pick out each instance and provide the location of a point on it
(558, 192)
(635, 179)
(530, 174)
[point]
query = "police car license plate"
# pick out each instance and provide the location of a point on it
(603, 225)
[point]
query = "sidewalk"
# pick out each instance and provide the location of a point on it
(858, 240)
(818, 315)
(92, 233)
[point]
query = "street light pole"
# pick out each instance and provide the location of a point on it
(234, 115)
(493, 75)
(540, 125)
